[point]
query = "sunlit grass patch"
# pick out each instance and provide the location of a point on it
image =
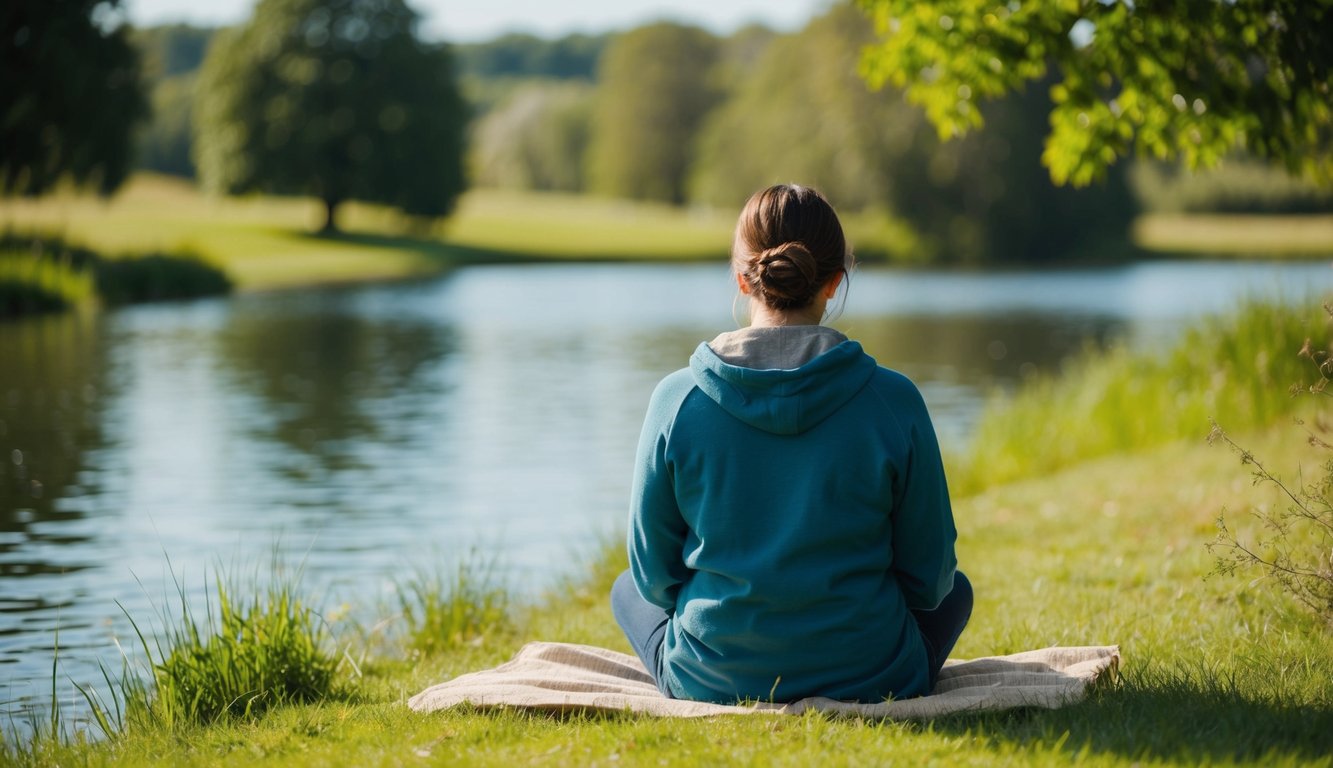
(554, 226)
(584, 598)
(1308, 236)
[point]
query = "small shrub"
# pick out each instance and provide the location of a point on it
(158, 277)
(1295, 546)
(48, 247)
(445, 610)
(245, 657)
(36, 278)
(40, 273)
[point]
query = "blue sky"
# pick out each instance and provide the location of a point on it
(482, 19)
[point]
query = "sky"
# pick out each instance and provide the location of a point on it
(464, 21)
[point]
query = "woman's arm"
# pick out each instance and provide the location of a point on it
(923, 528)
(656, 529)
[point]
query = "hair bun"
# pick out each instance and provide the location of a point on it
(788, 245)
(788, 274)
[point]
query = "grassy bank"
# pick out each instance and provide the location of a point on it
(1218, 668)
(40, 273)
(1237, 369)
(267, 242)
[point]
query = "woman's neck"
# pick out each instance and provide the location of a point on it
(763, 316)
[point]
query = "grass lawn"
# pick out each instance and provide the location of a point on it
(1240, 236)
(267, 242)
(1216, 669)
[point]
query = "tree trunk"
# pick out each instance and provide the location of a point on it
(330, 222)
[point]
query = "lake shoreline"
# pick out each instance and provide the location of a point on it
(268, 243)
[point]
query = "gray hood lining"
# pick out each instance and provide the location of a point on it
(775, 347)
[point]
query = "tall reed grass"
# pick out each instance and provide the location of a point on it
(246, 655)
(447, 607)
(1236, 369)
(242, 657)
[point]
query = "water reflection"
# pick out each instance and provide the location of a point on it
(53, 374)
(367, 430)
(54, 380)
(323, 379)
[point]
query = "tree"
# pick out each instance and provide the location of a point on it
(172, 49)
(801, 114)
(172, 55)
(536, 139)
(164, 143)
(654, 89)
(985, 198)
(572, 57)
(70, 95)
(337, 99)
(1187, 78)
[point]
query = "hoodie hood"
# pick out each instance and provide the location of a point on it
(784, 401)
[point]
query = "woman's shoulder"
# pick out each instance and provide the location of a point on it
(670, 392)
(891, 377)
(896, 385)
(678, 382)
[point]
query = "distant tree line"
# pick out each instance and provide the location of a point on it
(678, 115)
(681, 116)
(341, 99)
(572, 57)
(172, 56)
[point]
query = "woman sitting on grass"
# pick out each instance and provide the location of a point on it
(790, 533)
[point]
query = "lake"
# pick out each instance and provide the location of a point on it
(369, 431)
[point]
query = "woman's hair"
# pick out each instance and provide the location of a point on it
(788, 244)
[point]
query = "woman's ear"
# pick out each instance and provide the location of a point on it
(831, 287)
(742, 284)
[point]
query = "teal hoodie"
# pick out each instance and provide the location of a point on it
(788, 519)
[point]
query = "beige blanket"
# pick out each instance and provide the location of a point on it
(563, 677)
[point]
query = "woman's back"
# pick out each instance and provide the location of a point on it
(785, 482)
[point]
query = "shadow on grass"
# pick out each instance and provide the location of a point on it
(448, 254)
(453, 254)
(444, 253)
(1169, 716)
